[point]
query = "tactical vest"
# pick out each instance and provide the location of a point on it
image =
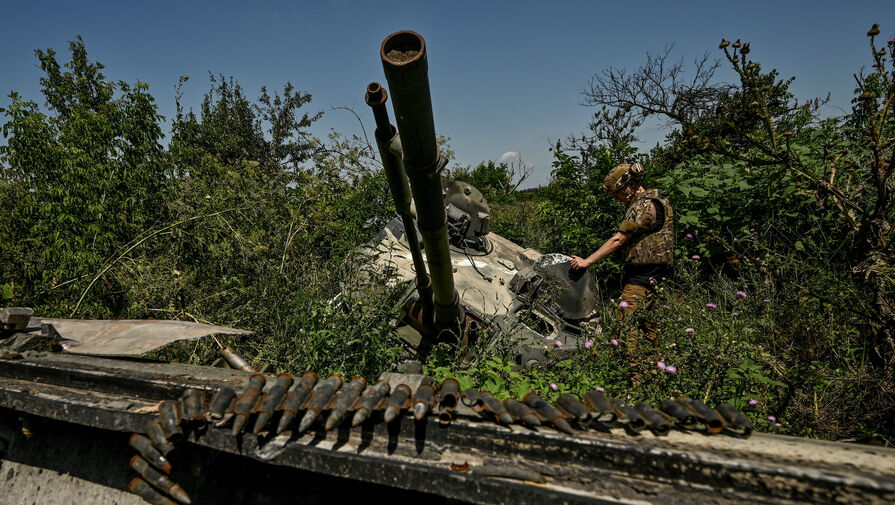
(656, 247)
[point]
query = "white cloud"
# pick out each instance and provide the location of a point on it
(510, 157)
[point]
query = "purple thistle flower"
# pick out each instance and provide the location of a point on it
(767, 300)
(695, 256)
(778, 425)
(623, 304)
(680, 319)
(614, 342)
(671, 369)
(553, 386)
(753, 402)
(741, 294)
(772, 419)
(690, 330)
(589, 344)
(557, 343)
(666, 307)
(663, 278)
(874, 65)
(661, 365)
(891, 41)
(711, 305)
(734, 314)
(600, 389)
(689, 235)
(674, 344)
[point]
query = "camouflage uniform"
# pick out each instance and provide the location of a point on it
(648, 253)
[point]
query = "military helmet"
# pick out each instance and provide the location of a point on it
(621, 175)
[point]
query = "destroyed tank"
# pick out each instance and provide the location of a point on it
(467, 284)
(85, 417)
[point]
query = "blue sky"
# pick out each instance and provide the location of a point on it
(505, 76)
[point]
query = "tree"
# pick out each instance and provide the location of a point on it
(834, 175)
(88, 174)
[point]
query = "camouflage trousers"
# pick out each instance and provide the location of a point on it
(636, 297)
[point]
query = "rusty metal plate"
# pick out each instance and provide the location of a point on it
(129, 337)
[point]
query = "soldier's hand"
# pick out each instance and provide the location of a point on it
(579, 263)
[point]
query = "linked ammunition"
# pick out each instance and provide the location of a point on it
(657, 422)
(635, 421)
(449, 393)
(423, 400)
(683, 415)
(159, 481)
(220, 403)
(705, 415)
(448, 399)
(574, 408)
(521, 412)
(370, 401)
(170, 419)
(321, 397)
(296, 399)
(736, 420)
(343, 401)
(548, 413)
(470, 398)
(598, 403)
(193, 401)
(140, 488)
(144, 446)
(495, 407)
(271, 401)
(246, 402)
(397, 401)
(155, 433)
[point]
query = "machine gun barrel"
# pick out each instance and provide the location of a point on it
(406, 69)
(389, 144)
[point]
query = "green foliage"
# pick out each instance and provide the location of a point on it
(82, 179)
(247, 220)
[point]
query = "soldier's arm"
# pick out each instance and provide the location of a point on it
(608, 247)
(640, 221)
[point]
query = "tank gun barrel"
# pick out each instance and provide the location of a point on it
(389, 144)
(406, 69)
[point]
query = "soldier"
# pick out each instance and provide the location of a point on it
(645, 238)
